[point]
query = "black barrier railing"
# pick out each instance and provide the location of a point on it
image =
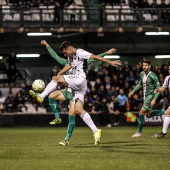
(85, 18)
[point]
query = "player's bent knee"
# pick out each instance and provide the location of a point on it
(78, 111)
(142, 112)
(51, 96)
(57, 78)
(54, 78)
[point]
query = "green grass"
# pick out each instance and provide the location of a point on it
(38, 149)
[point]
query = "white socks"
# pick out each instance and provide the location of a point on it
(49, 88)
(87, 119)
(166, 123)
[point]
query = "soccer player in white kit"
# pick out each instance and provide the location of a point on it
(166, 121)
(77, 61)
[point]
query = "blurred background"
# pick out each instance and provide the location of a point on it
(138, 29)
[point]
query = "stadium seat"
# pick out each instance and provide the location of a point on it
(126, 2)
(116, 8)
(155, 17)
(84, 15)
(51, 12)
(27, 18)
(45, 13)
(45, 17)
(79, 2)
(2, 2)
(167, 2)
(150, 2)
(6, 9)
(108, 9)
(41, 7)
(35, 15)
(128, 18)
(147, 17)
(112, 17)
(110, 13)
(126, 9)
(16, 17)
(158, 2)
(7, 17)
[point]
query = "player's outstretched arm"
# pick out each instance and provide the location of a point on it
(111, 51)
(60, 61)
(112, 63)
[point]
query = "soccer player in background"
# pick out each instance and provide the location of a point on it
(149, 81)
(166, 121)
(65, 94)
(77, 62)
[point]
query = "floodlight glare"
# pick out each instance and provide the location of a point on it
(39, 34)
(111, 56)
(156, 33)
(28, 55)
(162, 56)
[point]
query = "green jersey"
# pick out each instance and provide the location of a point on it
(149, 83)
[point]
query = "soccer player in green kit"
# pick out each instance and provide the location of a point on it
(65, 94)
(149, 82)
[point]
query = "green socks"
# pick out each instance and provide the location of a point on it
(54, 107)
(71, 126)
(141, 122)
(152, 114)
(156, 113)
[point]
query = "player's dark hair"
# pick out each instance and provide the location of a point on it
(146, 61)
(64, 45)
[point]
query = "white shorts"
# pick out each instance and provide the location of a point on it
(78, 84)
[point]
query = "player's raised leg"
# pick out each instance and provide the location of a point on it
(50, 87)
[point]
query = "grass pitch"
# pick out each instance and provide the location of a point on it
(38, 149)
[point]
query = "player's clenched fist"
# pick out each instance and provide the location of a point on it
(111, 51)
(43, 42)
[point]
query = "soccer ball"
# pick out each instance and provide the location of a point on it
(38, 85)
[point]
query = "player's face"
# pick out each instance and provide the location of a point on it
(68, 52)
(146, 67)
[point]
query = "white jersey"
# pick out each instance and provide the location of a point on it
(79, 62)
(166, 82)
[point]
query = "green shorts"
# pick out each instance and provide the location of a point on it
(68, 95)
(147, 102)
